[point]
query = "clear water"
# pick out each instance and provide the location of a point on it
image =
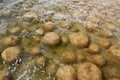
(12, 14)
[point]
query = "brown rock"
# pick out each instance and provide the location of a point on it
(51, 39)
(66, 73)
(10, 54)
(69, 56)
(88, 71)
(94, 48)
(79, 40)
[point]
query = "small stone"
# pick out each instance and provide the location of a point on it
(11, 40)
(89, 71)
(90, 26)
(48, 26)
(29, 15)
(74, 29)
(35, 51)
(66, 73)
(11, 54)
(111, 26)
(105, 43)
(98, 60)
(64, 39)
(41, 62)
(24, 31)
(79, 40)
(112, 72)
(75, 15)
(69, 57)
(51, 68)
(2, 75)
(15, 30)
(80, 56)
(66, 24)
(40, 32)
(114, 51)
(94, 48)
(51, 39)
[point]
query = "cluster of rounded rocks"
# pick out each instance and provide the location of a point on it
(83, 71)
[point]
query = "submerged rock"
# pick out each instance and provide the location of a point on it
(69, 57)
(29, 16)
(10, 40)
(11, 54)
(51, 68)
(97, 59)
(2, 75)
(105, 43)
(64, 39)
(40, 62)
(65, 24)
(80, 56)
(48, 26)
(89, 71)
(112, 72)
(51, 39)
(15, 30)
(66, 73)
(114, 51)
(35, 51)
(79, 40)
(94, 48)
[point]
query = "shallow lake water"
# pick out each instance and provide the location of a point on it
(38, 37)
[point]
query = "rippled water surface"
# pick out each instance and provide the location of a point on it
(96, 18)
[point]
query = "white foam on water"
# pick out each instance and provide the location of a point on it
(3, 26)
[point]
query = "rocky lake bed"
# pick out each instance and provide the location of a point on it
(59, 40)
